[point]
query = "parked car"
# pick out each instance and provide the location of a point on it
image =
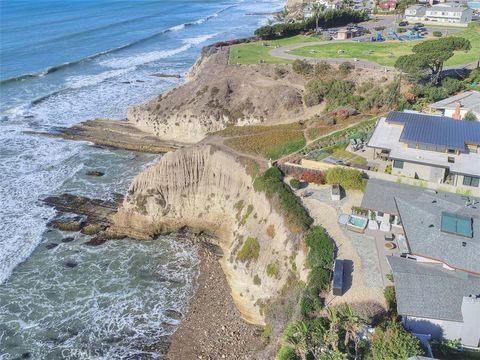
(419, 25)
(403, 23)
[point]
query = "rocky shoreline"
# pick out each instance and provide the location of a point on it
(212, 328)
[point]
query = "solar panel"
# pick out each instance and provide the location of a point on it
(436, 130)
(457, 224)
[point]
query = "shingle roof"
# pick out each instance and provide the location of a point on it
(436, 130)
(430, 291)
(468, 100)
(421, 218)
(419, 209)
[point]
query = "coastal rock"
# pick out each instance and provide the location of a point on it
(216, 95)
(71, 264)
(68, 239)
(51, 246)
(94, 173)
(205, 189)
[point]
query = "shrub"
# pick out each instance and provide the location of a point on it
(302, 67)
(273, 270)
(321, 68)
(279, 72)
(271, 231)
(345, 68)
(314, 92)
(349, 179)
(256, 280)
(437, 34)
(401, 30)
(267, 331)
(470, 116)
(320, 254)
(249, 251)
(394, 342)
(389, 293)
(295, 183)
(287, 353)
(271, 183)
(379, 28)
(313, 177)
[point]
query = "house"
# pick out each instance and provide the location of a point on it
(428, 147)
(415, 13)
(459, 105)
(328, 4)
(438, 302)
(388, 5)
(439, 227)
(449, 13)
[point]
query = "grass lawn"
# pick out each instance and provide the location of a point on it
(252, 53)
(386, 53)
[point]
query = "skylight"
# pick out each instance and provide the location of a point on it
(457, 224)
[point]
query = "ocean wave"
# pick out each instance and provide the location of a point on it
(56, 68)
(152, 56)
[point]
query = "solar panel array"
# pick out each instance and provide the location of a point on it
(436, 130)
(457, 224)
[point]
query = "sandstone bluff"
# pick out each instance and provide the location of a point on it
(205, 189)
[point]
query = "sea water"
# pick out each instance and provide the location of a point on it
(62, 62)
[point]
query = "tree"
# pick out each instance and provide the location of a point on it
(352, 325)
(296, 337)
(332, 334)
(429, 56)
(317, 10)
(393, 343)
(470, 116)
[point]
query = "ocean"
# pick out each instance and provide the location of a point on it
(62, 62)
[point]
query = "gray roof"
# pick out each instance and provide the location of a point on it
(448, 7)
(421, 218)
(469, 100)
(380, 195)
(420, 208)
(436, 130)
(430, 291)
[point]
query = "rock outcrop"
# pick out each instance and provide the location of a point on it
(216, 95)
(205, 189)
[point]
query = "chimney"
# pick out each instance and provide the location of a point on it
(456, 115)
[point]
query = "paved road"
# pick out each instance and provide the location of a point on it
(283, 52)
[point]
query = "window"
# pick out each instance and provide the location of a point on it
(471, 181)
(450, 151)
(398, 164)
(451, 159)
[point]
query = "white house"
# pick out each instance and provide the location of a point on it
(448, 13)
(462, 103)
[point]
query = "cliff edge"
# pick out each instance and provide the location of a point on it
(216, 95)
(205, 189)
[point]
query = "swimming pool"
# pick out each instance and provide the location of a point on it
(357, 223)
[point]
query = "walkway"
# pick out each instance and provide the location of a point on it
(362, 284)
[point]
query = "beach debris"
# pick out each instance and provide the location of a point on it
(94, 173)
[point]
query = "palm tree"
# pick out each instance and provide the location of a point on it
(352, 325)
(317, 10)
(332, 335)
(297, 337)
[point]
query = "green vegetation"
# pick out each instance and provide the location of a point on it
(470, 116)
(271, 142)
(295, 183)
(329, 18)
(246, 215)
(450, 349)
(259, 51)
(273, 270)
(393, 342)
(349, 179)
(429, 57)
(390, 298)
(320, 262)
(249, 251)
(272, 185)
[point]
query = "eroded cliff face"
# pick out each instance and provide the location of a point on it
(216, 95)
(206, 189)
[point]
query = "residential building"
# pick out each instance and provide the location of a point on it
(388, 5)
(449, 13)
(427, 147)
(415, 13)
(459, 105)
(439, 227)
(438, 302)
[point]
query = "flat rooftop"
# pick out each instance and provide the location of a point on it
(387, 136)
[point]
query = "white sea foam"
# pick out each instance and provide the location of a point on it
(79, 81)
(151, 56)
